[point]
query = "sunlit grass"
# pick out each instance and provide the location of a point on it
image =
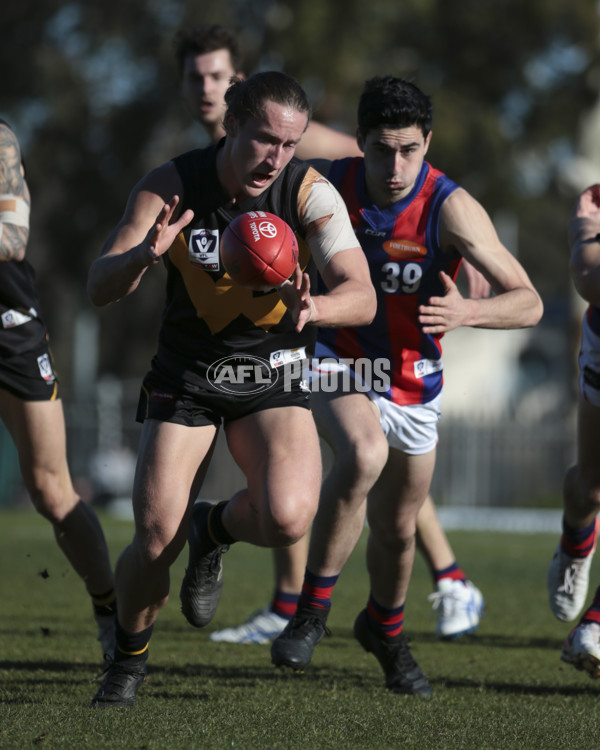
(503, 688)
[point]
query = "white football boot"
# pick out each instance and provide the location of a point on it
(459, 605)
(261, 627)
(568, 583)
(582, 648)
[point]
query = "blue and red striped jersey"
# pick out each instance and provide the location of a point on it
(401, 243)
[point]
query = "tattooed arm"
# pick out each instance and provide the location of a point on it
(14, 198)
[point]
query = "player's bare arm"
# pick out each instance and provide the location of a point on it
(14, 199)
(478, 285)
(149, 226)
(584, 240)
(351, 299)
(322, 142)
(466, 227)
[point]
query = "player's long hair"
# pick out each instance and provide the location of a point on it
(245, 98)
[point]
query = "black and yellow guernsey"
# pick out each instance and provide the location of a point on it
(207, 316)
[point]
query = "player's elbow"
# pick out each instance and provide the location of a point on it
(535, 312)
(96, 292)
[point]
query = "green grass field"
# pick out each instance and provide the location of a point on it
(503, 688)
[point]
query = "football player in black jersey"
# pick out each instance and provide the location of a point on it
(176, 214)
(30, 405)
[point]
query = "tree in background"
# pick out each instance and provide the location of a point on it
(93, 96)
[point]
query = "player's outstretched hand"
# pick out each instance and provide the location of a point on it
(295, 294)
(446, 313)
(163, 233)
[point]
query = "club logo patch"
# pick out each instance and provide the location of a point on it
(203, 249)
(46, 368)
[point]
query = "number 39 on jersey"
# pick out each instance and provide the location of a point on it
(401, 277)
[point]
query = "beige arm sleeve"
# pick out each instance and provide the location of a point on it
(324, 201)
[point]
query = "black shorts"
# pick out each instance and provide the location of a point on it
(167, 402)
(30, 376)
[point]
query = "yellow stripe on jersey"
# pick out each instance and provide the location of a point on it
(220, 301)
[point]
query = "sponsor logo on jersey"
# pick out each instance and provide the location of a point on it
(404, 249)
(162, 396)
(285, 356)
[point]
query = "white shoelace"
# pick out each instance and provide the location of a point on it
(570, 576)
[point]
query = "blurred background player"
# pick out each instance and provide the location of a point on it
(415, 225)
(569, 573)
(207, 58)
(30, 406)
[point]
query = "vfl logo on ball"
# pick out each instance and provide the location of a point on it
(242, 375)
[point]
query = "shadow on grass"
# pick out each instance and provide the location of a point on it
(170, 682)
(509, 688)
(493, 640)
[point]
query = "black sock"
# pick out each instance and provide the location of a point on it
(216, 530)
(105, 604)
(132, 647)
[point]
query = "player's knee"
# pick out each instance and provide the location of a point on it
(157, 547)
(394, 536)
(398, 540)
(361, 463)
(372, 457)
(52, 498)
(288, 526)
(286, 534)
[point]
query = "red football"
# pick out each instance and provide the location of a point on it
(259, 250)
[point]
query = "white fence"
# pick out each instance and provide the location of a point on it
(480, 463)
